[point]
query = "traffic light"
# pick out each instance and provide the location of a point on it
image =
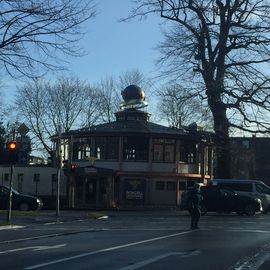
(51, 159)
(65, 164)
(12, 152)
(12, 146)
(69, 168)
(72, 167)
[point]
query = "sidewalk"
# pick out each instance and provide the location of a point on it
(32, 225)
(46, 216)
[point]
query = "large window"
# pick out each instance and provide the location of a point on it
(188, 153)
(158, 152)
(36, 177)
(81, 149)
(171, 185)
(136, 148)
(103, 148)
(100, 145)
(36, 180)
(163, 150)
(160, 185)
(106, 148)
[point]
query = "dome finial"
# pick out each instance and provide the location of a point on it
(133, 97)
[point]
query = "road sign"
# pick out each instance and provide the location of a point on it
(23, 129)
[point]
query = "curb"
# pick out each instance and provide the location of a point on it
(10, 227)
(48, 236)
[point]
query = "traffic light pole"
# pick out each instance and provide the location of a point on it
(12, 146)
(10, 195)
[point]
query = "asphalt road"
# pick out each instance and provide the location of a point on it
(129, 241)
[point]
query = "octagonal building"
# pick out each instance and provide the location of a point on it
(133, 162)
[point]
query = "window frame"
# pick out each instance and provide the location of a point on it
(160, 185)
(163, 144)
(136, 148)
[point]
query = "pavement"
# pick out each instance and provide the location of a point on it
(42, 216)
(25, 226)
(30, 225)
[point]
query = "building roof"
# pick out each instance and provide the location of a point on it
(136, 123)
(130, 126)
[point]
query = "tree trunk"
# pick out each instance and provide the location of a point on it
(222, 168)
(221, 128)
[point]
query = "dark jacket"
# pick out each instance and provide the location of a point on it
(194, 199)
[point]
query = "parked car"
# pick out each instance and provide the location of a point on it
(254, 188)
(216, 199)
(19, 201)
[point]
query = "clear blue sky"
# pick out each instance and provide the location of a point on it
(115, 47)
(112, 47)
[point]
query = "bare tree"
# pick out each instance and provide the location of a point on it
(43, 107)
(135, 76)
(109, 98)
(110, 89)
(35, 34)
(222, 46)
(180, 108)
(91, 113)
(68, 102)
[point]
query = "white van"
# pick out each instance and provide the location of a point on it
(252, 188)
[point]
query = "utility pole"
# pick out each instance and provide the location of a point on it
(58, 165)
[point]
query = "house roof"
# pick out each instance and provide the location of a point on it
(129, 126)
(135, 122)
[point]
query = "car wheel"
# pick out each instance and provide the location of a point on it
(250, 210)
(203, 210)
(24, 206)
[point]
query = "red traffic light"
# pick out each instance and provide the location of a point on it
(12, 146)
(73, 167)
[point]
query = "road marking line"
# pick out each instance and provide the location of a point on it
(157, 258)
(252, 261)
(247, 230)
(104, 250)
(35, 248)
(53, 223)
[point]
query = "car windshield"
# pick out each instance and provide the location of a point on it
(15, 191)
(261, 188)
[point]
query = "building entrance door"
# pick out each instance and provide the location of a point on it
(90, 190)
